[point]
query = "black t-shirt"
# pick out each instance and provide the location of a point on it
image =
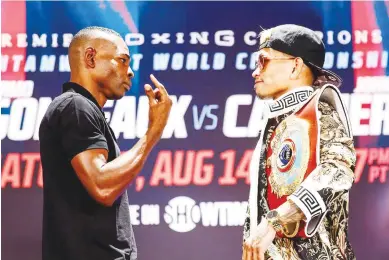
(75, 226)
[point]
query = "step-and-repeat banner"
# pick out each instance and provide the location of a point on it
(190, 199)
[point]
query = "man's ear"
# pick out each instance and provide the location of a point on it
(90, 57)
(297, 68)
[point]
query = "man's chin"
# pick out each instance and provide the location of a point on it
(120, 96)
(116, 96)
(261, 95)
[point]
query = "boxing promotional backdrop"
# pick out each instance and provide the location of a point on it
(190, 200)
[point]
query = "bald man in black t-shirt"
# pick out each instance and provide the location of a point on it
(86, 209)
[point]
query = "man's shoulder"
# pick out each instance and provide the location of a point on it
(71, 101)
(66, 106)
(330, 120)
(76, 101)
(326, 108)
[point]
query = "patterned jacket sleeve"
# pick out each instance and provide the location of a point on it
(246, 225)
(333, 177)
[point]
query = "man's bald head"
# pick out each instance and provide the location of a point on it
(91, 36)
(99, 58)
(92, 31)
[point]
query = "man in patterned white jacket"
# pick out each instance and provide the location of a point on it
(302, 167)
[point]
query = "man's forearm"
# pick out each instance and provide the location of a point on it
(116, 175)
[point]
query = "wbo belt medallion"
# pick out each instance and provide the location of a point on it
(289, 159)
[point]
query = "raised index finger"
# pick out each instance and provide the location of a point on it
(159, 86)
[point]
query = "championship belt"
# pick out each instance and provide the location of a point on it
(291, 157)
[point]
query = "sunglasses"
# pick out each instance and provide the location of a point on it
(262, 61)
